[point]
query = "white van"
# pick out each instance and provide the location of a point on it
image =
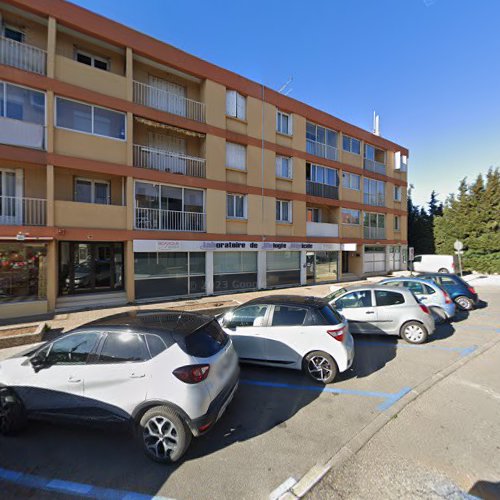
(434, 264)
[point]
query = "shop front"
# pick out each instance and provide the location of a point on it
(322, 266)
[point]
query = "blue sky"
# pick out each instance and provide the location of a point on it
(431, 68)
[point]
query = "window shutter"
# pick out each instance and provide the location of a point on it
(397, 160)
(290, 124)
(241, 107)
(231, 103)
(235, 156)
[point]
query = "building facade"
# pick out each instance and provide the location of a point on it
(132, 171)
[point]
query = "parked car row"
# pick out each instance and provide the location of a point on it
(170, 375)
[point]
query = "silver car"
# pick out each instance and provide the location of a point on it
(384, 310)
(429, 293)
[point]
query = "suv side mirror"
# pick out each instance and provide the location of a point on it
(38, 362)
(258, 321)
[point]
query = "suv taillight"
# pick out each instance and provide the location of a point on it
(424, 308)
(337, 333)
(472, 290)
(192, 374)
(447, 298)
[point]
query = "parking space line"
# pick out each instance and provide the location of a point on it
(462, 351)
(70, 487)
(388, 397)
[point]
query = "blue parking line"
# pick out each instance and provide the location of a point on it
(70, 487)
(462, 351)
(388, 397)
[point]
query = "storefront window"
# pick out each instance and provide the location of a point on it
(90, 267)
(283, 268)
(235, 271)
(169, 274)
(327, 264)
(23, 272)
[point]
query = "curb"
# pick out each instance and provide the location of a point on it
(349, 449)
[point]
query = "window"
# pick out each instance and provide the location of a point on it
(288, 316)
(235, 271)
(360, 298)
(20, 103)
(374, 159)
(284, 167)
(206, 341)
(155, 344)
(283, 211)
(351, 145)
(322, 175)
(397, 193)
(123, 348)
(313, 215)
(373, 192)
(13, 33)
(397, 223)
(92, 60)
(92, 191)
(90, 119)
(236, 206)
(236, 156)
(73, 349)
(236, 104)
(245, 316)
(374, 225)
(321, 141)
(283, 123)
(351, 181)
(350, 216)
(386, 298)
(414, 286)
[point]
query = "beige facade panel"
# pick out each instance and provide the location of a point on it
(215, 155)
(348, 231)
(236, 125)
(236, 226)
(26, 308)
(216, 213)
(261, 215)
(350, 158)
(214, 96)
(89, 215)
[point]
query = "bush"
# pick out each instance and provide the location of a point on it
(488, 263)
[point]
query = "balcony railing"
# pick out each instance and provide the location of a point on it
(17, 211)
(168, 161)
(21, 133)
(325, 229)
(169, 220)
(163, 100)
(374, 233)
(375, 166)
(320, 149)
(323, 190)
(22, 56)
(374, 199)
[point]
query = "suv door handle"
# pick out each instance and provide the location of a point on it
(370, 312)
(137, 375)
(73, 380)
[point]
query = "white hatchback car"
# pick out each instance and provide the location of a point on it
(169, 374)
(303, 333)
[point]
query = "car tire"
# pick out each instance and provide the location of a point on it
(414, 332)
(165, 437)
(12, 413)
(320, 366)
(443, 270)
(464, 303)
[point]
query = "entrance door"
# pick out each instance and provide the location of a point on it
(8, 199)
(345, 262)
(311, 268)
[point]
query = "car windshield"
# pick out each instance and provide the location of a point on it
(335, 294)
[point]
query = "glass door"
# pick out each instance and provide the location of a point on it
(311, 268)
(8, 197)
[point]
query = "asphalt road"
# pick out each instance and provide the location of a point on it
(268, 435)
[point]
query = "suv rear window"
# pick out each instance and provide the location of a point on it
(331, 316)
(206, 341)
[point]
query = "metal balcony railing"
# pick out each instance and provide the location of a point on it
(374, 199)
(163, 100)
(169, 220)
(17, 211)
(320, 149)
(22, 56)
(168, 161)
(323, 190)
(375, 166)
(374, 233)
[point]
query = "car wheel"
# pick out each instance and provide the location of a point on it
(164, 435)
(443, 270)
(12, 413)
(414, 332)
(321, 367)
(464, 303)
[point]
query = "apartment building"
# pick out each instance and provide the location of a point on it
(132, 171)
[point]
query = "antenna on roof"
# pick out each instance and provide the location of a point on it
(285, 89)
(376, 123)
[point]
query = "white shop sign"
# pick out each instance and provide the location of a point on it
(214, 246)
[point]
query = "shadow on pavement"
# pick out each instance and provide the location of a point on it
(486, 490)
(443, 331)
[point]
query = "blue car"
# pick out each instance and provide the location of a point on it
(429, 293)
(459, 290)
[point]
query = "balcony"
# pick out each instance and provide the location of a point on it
(374, 233)
(163, 100)
(374, 199)
(23, 56)
(18, 211)
(168, 161)
(169, 220)
(322, 190)
(20, 133)
(321, 149)
(374, 166)
(90, 215)
(322, 229)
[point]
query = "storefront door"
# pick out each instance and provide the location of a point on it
(311, 268)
